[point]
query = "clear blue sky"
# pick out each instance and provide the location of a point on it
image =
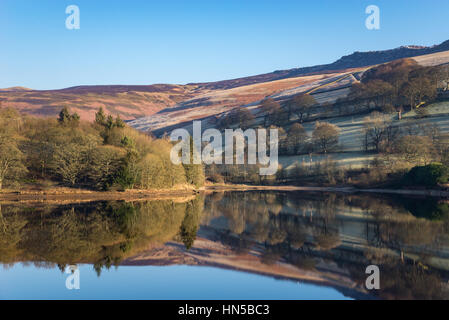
(145, 42)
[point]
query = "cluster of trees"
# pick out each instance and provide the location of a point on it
(241, 117)
(324, 139)
(414, 143)
(429, 175)
(273, 112)
(397, 147)
(378, 132)
(298, 106)
(101, 155)
(400, 83)
(238, 173)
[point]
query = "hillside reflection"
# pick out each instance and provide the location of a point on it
(101, 233)
(305, 236)
(407, 239)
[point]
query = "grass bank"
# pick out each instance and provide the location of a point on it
(63, 194)
(339, 189)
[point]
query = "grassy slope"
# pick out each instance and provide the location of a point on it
(130, 103)
(351, 153)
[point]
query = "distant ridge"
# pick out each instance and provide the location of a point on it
(354, 60)
(16, 89)
(164, 105)
(111, 89)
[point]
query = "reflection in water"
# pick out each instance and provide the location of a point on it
(316, 231)
(328, 239)
(101, 233)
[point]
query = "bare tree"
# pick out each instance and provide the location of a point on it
(296, 138)
(10, 160)
(376, 127)
(325, 136)
(272, 109)
(300, 105)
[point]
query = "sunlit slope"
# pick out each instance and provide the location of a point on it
(129, 102)
(161, 107)
(210, 105)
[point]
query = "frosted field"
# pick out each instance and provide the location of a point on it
(351, 153)
(350, 160)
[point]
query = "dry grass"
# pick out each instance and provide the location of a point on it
(67, 195)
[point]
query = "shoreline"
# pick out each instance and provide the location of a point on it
(80, 195)
(77, 195)
(349, 190)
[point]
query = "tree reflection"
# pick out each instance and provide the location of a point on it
(190, 224)
(101, 233)
(306, 229)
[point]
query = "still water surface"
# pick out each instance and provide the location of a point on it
(227, 245)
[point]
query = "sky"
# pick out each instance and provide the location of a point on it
(146, 42)
(156, 282)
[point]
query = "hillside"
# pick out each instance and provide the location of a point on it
(354, 60)
(161, 106)
(212, 104)
(353, 155)
(129, 102)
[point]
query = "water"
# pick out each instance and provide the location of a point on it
(228, 245)
(158, 283)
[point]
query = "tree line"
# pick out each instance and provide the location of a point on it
(399, 84)
(102, 155)
(298, 108)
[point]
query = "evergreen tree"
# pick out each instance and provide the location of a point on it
(110, 122)
(64, 116)
(100, 117)
(119, 123)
